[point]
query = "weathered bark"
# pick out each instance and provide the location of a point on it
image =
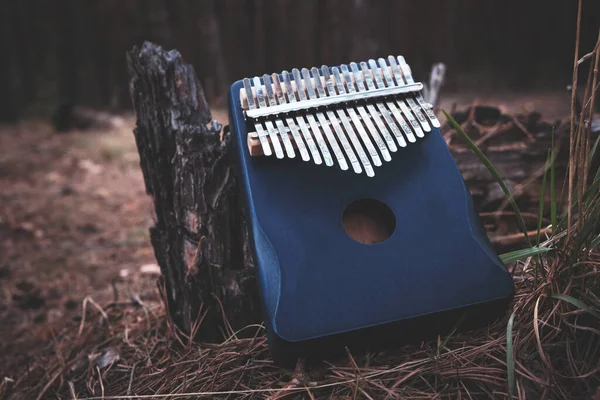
(199, 237)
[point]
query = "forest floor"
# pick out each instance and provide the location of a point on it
(74, 219)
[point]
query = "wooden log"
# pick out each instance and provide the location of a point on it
(198, 238)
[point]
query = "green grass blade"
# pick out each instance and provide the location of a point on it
(553, 188)
(577, 303)
(522, 254)
(494, 173)
(542, 201)
(510, 357)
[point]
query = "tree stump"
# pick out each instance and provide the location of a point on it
(199, 237)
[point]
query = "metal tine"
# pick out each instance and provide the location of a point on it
(322, 120)
(391, 105)
(262, 135)
(280, 95)
(411, 102)
(372, 112)
(331, 119)
(405, 110)
(426, 107)
(362, 155)
(311, 120)
(268, 124)
(249, 94)
(289, 149)
(310, 143)
(380, 106)
(365, 117)
(379, 76)
(357, 123)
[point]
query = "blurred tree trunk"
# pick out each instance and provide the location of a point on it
(8, 98)
(68, 64)
(485, 44)
(211, 38)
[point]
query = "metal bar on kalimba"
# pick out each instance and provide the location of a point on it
(329, 118)
(287, 144)
(372, 112)
(341, 113)
(268, 124)
(403, 106)
(281, 99)
(323, 121)
(409, 79)
(361, 131)
(365, 116)
(335, 100)
(391, 104)
(381, 107)
(409, 99)
(262, 135)
(310, 143)
(311, 119)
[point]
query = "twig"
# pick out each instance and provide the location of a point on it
(50, 382)
(498, 129)
(522, 128)
(100, 379)
(586, 57)
(72, 389)
(83, 313)
(514, 238)
(131, 379)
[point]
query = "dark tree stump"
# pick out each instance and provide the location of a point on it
(198, 239)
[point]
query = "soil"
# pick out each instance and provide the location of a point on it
(74, 219)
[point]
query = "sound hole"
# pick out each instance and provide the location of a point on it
(369, 221)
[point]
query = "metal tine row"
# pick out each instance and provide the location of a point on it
(341, 83)
(387, 115)
(409, 100)
(409, 79)
(389, 81)
(342, 116)
(310, 143)
(388, 106)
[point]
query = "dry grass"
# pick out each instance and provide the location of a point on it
(556, 348)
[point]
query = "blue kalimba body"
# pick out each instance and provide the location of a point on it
(316, 146)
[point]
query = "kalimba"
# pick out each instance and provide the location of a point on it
(322, 150)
